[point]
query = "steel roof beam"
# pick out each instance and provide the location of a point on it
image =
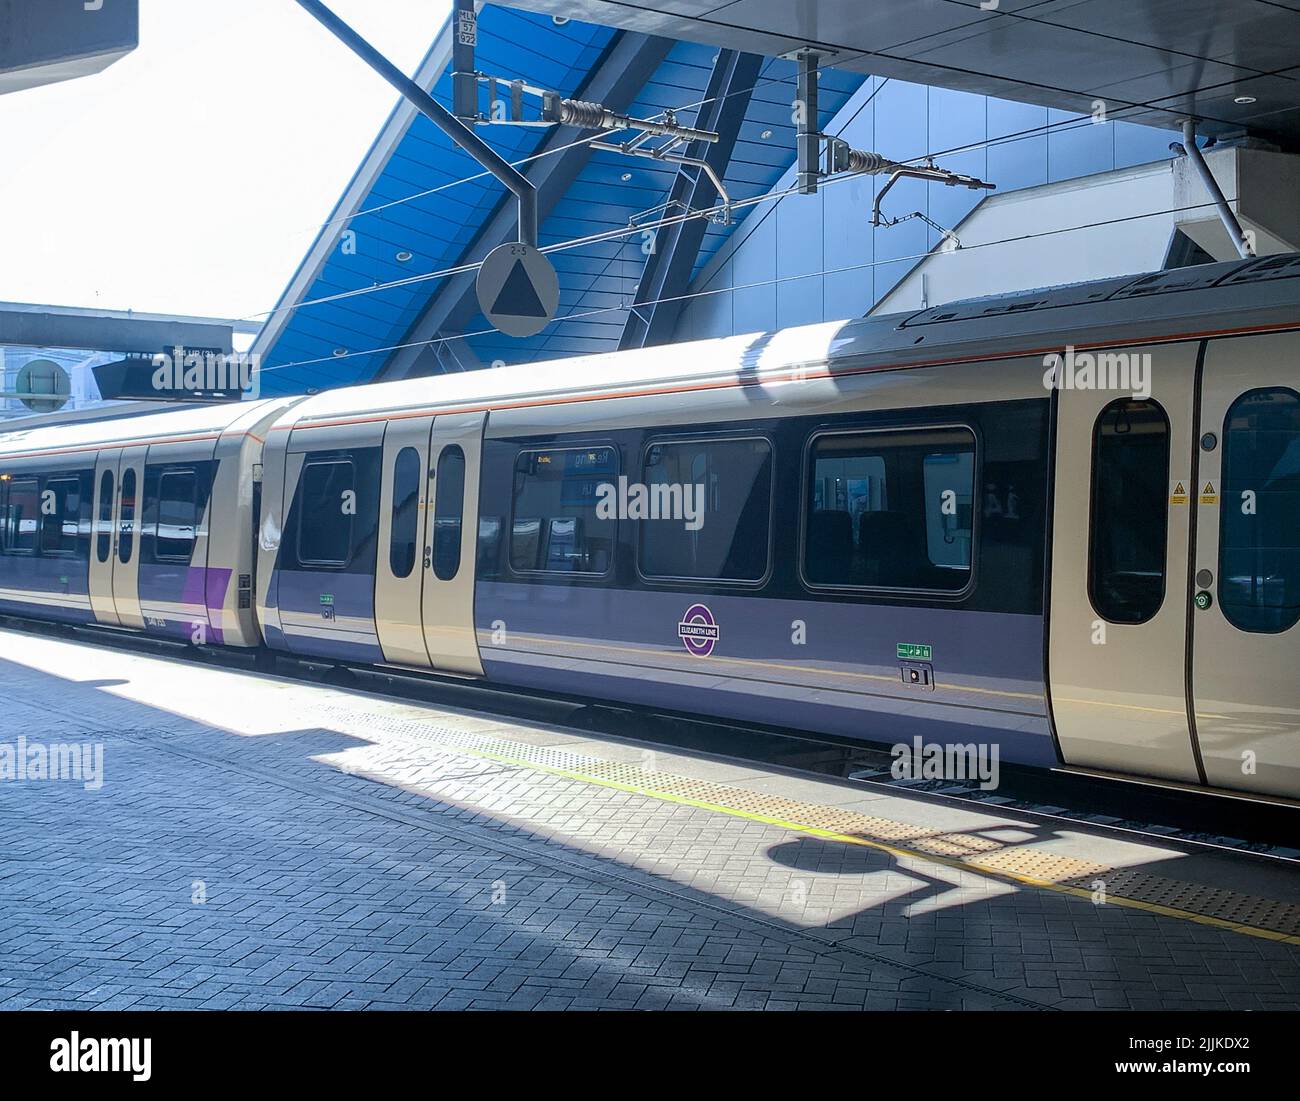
(667, 272)
(625, 69)
(435, 112)
(39, 327)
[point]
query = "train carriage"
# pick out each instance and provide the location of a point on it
(138, 522)
(1064, 523)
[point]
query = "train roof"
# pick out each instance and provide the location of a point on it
(186, 422)
(1178, 304)
(1181, 303)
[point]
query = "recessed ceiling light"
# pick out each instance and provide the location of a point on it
(1243, 100)
(766, 134)
(340, 351)
(403, 256)
(626, 176)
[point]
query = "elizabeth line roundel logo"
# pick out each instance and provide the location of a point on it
(698, 631)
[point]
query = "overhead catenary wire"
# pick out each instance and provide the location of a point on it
(621, 232)
(843, 55)
(1063, 125)
(583, 314)
(762, 82)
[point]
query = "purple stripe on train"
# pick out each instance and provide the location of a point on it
(327, 613)
(819, 666)
(196, 587)
(41, 578)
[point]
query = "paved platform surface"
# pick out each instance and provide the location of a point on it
(260, 843)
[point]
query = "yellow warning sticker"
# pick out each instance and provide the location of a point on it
(1209, 495)
(1178, 493)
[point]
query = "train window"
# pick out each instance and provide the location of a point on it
(408, 473)
(178, 520)
(1259, 522)
(1130, 516)
(126, 517)
(327, 507)
(21, 516)
(448, 511)
(104, 530)
(707, 515)
(892, 509)
(558, 526)
(60, 516)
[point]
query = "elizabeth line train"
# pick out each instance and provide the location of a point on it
(1097, 595)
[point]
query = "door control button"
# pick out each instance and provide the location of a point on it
(1204, 600)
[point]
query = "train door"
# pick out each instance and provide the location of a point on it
(451, 543)
(1246, 603)
(1117, 665)
(104, 525)
(399, 571)
(126, 557)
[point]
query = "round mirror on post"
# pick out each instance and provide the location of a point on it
(43, 386)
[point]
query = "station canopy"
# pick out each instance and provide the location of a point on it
(1234, 65)
(419, 204)
(358, 308)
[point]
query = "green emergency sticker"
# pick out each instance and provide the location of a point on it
(915, 651)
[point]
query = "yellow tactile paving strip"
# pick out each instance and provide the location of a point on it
(969, 851)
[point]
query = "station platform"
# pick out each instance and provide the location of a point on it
(264, 842)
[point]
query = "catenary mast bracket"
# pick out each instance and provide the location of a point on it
(817, 164)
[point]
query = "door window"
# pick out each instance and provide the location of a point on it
(1130, 514)
(126, 518)
(1259, 523)
(407, 473)
(104, 535)
(448, 512)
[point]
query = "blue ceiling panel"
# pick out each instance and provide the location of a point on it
(431, 200)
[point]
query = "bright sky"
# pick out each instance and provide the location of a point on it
(191, 176)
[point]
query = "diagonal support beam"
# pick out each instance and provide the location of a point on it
(667, 272)
(617, 80)
(436, 113)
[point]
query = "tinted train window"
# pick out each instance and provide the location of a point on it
(126, 518)
(1259, 532)
(556, 526)
(104, 536)
(61, 516)
(1130, 513)
(708, 510)
(408, 472)
(178, 519)
(327, 507)
(21, 516)
(448, 511)
(891, 509)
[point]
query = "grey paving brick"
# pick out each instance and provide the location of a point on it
(348, 865)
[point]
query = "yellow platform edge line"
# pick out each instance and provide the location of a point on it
(893, 850)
